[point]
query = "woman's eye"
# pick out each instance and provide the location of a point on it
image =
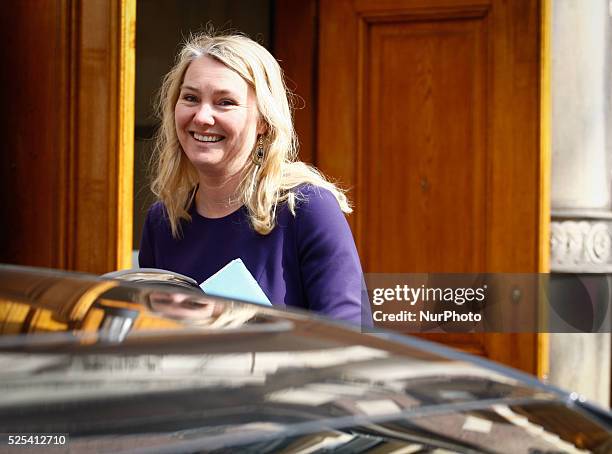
(227, 102)
(190, 98)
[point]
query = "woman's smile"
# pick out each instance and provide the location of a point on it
(214, 138)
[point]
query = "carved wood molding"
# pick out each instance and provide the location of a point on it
(403, 11)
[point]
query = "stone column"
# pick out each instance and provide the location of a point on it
(581, 239)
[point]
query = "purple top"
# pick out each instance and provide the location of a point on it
(307, 261)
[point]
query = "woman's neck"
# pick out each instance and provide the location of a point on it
(217, 196)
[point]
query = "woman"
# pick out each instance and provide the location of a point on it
(229, 185)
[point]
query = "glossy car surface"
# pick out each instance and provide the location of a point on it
(158, 368)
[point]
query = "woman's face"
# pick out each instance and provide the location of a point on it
(216, 118)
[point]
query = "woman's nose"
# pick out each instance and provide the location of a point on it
(204, 115)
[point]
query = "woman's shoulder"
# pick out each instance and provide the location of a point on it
(314, 199)
(157, 210)
(317, 209)
(157, 215)
(310, 189)
(320, 224)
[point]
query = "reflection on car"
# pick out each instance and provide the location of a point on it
(134, 366)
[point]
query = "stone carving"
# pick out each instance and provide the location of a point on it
(581, 246)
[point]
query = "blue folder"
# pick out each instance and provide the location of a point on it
(234, 281)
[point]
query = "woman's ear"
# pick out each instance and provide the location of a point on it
(262, 126)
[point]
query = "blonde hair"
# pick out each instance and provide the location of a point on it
(261, 190)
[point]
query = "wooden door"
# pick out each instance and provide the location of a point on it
(67, 122)
(430, 111)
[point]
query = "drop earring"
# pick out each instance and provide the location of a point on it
(257, 156)
(258, 153)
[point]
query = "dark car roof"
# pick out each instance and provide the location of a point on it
(125, 367)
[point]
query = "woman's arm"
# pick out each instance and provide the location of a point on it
(329, 264)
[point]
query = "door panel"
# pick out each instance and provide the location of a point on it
(429, 111)
(423, 146)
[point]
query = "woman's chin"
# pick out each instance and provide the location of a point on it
(215, 168)
(206, 158)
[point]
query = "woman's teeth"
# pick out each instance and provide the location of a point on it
(205, 138)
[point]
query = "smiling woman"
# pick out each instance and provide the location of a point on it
(229, 185)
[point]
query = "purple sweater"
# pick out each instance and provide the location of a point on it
(307, 261)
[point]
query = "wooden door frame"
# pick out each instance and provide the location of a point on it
(543, 341)
(296, 47)
(69, 123)
(99, 174)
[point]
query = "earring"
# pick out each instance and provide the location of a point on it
(257, 157)
(258, 153)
